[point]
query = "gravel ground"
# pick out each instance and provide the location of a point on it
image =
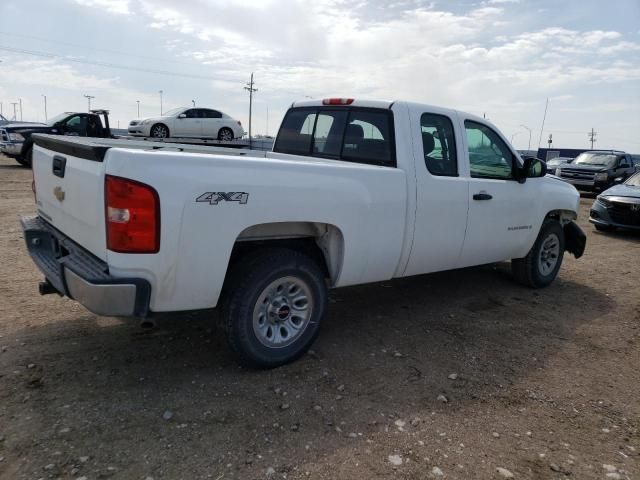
(460, 374)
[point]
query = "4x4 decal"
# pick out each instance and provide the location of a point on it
(213, 198)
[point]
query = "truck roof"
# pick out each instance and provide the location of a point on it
(386, 104)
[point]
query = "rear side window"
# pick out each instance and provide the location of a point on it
(357, 135)
(439, 145)
(367, 138)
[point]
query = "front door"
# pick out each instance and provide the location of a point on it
(499, 223)
(190, 126)
(442, 195)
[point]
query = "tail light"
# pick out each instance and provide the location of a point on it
(132, 211)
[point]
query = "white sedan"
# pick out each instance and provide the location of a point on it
(188, 122)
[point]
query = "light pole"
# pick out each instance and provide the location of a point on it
(45, 108)
(524, 126)
(513, 136)
(20, 100)
(15, 118)
(160, 92)
(89, 97)
(0, 108)
(194, 103)
(138, 102)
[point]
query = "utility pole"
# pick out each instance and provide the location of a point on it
(160, 92)
(88, 97)
(45, 108)
(543, 120)
(138, 102)
(524, 126)
(592, 137)
(15, 117)
(250, 89)
(20, 100)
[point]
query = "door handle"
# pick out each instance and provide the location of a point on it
(59, 165)
(482, 196)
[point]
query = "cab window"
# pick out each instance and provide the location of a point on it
(355, 135)
(439, 145)
(489, 156)
(76, 125)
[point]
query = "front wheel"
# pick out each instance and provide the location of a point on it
(225, 134)
(272, 310)
(540, 267)
(27, 159)
(159, 131)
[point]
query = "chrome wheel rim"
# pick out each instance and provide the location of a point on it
(282, 312)
(226, 135)
(549, 254)
(159, 132)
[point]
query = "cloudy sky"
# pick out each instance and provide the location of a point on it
(501, 58)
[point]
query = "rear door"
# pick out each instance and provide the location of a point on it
(499, 221)
(211, 122)
(442, 193)
(189, 126)
(69, 180)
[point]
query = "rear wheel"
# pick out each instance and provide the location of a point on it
(540, 267)
(225, 134)
(159, 131)
(273, 305)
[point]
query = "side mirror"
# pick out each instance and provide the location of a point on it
(532, 168)
(182, 115)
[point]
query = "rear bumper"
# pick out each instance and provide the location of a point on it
(76, 273)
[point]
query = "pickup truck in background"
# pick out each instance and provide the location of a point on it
(597, 170)
(16, 141)
(353, 192)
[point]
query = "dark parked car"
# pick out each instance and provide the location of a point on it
(597, 170)
(16, 141)
(554, 163)
(618, 207)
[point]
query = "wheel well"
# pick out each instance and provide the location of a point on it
(563, 216)
(322, 242)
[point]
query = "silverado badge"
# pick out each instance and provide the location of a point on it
(58, 193)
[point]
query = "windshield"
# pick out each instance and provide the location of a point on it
(633, 181)
(173, 112)
(53, 120)
(591, 158)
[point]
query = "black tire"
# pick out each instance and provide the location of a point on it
(27, 159)
(159, 130)
(225, 133)
(528, 270)
(248, 283)
(604, 228)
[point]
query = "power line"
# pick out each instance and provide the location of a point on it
(111, 65)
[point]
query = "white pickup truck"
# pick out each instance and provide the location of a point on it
(353, 192)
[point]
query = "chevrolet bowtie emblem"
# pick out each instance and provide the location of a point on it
(58, 193)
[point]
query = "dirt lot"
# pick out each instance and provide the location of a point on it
(544, 384)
